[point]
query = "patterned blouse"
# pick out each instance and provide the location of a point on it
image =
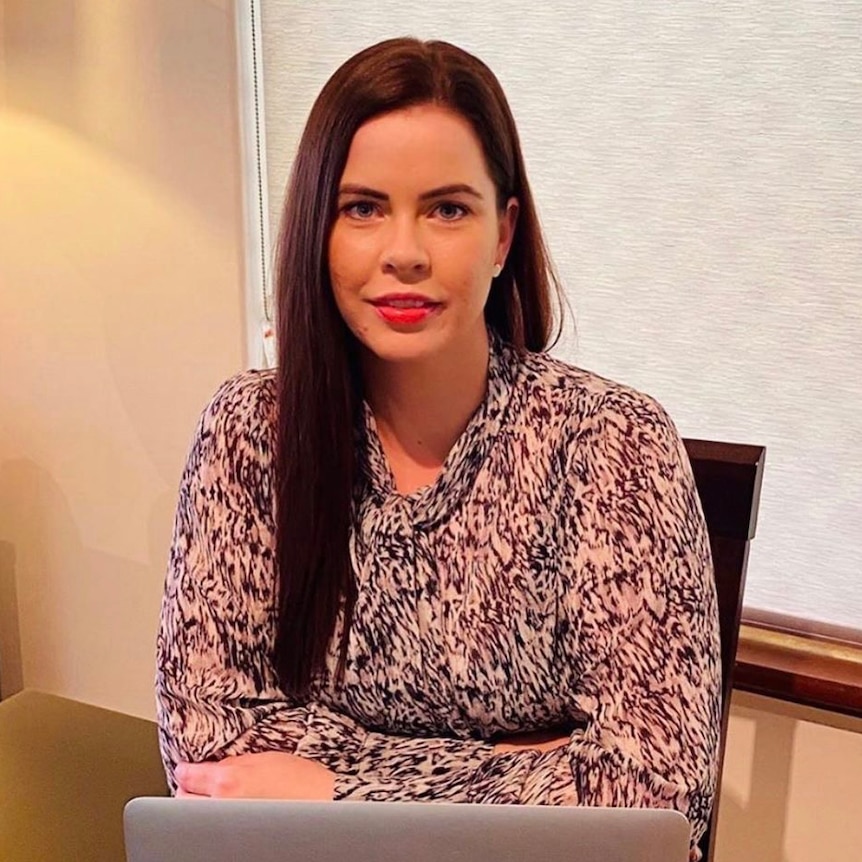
(557, 574)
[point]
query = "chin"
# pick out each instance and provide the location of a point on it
(404, 347)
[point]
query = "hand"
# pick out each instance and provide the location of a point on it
(268, 775)
(539, 740)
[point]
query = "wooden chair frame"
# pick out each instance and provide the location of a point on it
(728, 478)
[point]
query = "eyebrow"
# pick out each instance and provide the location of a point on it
(442, 191)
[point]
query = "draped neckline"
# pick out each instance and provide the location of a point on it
(431, 503)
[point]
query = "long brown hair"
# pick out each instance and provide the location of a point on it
(319, 386)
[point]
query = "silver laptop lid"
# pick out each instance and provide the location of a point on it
(203, 830)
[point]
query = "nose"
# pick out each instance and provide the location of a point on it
(405, 254)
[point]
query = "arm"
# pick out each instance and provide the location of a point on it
(644, 643)
(217, 694)
(649, 660)
(652, 734)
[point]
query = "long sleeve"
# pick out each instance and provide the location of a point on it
(217, 692)
(648, 661)
(622, 633)
(643, 646)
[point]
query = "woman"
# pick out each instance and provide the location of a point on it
(423, 559)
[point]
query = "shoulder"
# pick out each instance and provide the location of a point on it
(587, 405)
(236, 426)
(242, 406)
(246, 393)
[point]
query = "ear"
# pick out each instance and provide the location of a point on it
(507, 221)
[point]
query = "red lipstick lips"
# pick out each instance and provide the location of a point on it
(405, 308)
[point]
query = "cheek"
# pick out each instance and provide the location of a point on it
(347, 275)
(337, 259)
(465, 257)
(481, 289)
(351, 261)
(342, 270)
(468, 271)
(339, 276)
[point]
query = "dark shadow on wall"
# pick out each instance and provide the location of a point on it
(87, 617)
(11, 671)
(758, 830)
(56, 67)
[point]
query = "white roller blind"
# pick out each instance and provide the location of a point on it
(698, 168)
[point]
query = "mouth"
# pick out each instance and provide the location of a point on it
(405, 309)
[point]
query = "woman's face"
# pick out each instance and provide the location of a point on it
(417, 236)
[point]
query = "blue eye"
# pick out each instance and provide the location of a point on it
(450, 211)
(361, 209)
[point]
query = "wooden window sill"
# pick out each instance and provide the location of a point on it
(800, 667)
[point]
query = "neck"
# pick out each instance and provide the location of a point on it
(421, 408)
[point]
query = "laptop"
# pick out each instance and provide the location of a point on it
(220, 830)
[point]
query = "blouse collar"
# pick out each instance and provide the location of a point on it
(431, 504)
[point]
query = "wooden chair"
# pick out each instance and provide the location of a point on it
(67, 769)
(728, 478)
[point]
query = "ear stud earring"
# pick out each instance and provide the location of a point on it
(497, 270)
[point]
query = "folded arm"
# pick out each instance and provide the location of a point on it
(217, 691)
(644, 648)
(645, 645)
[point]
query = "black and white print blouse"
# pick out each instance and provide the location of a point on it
(557, 574)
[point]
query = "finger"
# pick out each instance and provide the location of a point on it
(184, 794)
(199, 779)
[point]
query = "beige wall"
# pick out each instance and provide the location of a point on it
(791, 785)
(120, 312)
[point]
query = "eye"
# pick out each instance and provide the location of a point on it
(450, 211)
(362, 210)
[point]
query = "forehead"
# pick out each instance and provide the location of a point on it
(422, 146)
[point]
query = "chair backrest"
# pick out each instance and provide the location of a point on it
(728, 478)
